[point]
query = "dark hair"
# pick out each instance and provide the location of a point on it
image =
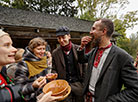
(107, 23)
(36, 42)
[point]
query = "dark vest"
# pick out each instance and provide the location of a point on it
(71, 71)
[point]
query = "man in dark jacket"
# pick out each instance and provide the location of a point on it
(65, 63)
(109, 67)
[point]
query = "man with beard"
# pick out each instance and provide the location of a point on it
(65, 63)
(109, 67)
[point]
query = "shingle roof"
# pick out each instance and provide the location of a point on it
(16, 17)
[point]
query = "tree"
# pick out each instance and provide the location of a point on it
(129, 20)
(134, 44)
(61, 7)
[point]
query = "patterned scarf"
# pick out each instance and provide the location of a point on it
(4, 78)
(2, 81)
(36, 67)
(67, 47)
(99, 54)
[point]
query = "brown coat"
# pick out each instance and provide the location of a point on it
(59, 66)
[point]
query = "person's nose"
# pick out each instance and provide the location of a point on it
(91, 33)
(43, 51)
(14, 49)
(61, 39)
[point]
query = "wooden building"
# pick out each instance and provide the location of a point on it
(24, 25)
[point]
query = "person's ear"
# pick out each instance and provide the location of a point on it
(69, 36)
(105, 31)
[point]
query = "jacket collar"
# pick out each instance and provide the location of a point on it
(60, 52)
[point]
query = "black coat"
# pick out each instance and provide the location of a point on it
(117, 70)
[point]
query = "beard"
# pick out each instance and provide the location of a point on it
(96, 41)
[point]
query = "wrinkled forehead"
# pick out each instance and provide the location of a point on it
(2, 33)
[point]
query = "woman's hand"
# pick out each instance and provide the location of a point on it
(48, 98)
(40, 82)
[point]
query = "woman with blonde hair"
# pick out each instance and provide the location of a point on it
(10, 92)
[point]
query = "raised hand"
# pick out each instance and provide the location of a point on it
(40, 82)
(85, 40)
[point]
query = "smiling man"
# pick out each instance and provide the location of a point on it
(109, 67)
(65, 63)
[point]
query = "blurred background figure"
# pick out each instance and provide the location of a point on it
(48, 48)
(11, 68)
(49, 61)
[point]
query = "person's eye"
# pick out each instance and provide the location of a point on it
(93, 28)
(7, 45)
(64, 37)
(38, 49)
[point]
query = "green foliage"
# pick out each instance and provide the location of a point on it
(61, 7)
(127, 44)
(130, 19)
(134, 44)
(5, 3)
(100, 8)
(20, 4)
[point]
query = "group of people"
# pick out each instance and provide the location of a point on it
(27, 84)
(95, 76)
